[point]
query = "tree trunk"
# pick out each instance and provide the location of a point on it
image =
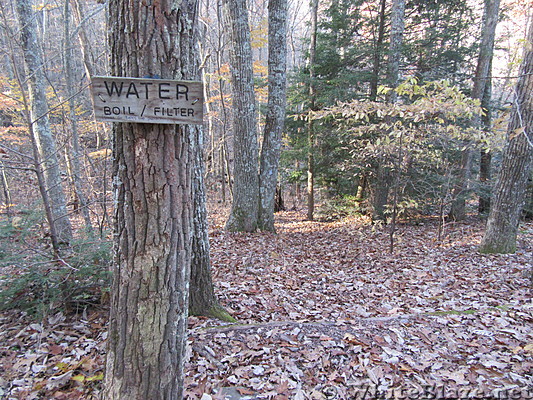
(395, 47)
(528, 208)
(5, 190)
(381, 186)
(202, 298)
(378, 50)
(458, 209)
(485, 158)
(74, 158)
(43, 137)
(153, 186)
(510, 189)
(275, 118)
(310, 122)
(244, 210)
(380, 192)
(88, 57)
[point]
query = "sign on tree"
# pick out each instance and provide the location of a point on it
(153, 101)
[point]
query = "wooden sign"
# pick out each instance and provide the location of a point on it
(151, 101)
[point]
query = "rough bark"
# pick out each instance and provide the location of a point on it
(312, 107)
(510, 189)
(153, 185)
(460, 192)
(42, 134)
(245, 206)
(275, 118)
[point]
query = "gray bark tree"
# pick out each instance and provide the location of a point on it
(40, 124)
(509, 192)
(153, 184)
(458, 208)
(244, 210)
(275, 118)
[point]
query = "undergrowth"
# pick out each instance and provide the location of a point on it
(31, 280)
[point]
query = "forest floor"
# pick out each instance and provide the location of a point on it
(325, 311)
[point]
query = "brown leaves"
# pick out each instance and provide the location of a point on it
(324, 310)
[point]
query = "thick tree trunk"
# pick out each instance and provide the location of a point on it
(310, 122)
(43, 137)
(275, 118)
(153, 184)
(244, 210)
(458, 209)
(510, 189)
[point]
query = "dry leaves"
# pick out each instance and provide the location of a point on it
(324, 312)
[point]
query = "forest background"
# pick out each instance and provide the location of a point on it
(372, 159)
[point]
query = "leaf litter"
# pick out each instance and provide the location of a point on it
(324, 311)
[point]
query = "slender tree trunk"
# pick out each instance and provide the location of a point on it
(43, 136)
(275, 118)
(153, 185)
(74, 158)
(310, 122)
(244, 209)
(528, 208)
(202, 298)
(378, 52)
(88, 57)
(5, 190)
(510, 189)
(384, 178)
(485, 158)
(380, 191)
(458, 208)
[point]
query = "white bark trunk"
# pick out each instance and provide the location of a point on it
(43, 136)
